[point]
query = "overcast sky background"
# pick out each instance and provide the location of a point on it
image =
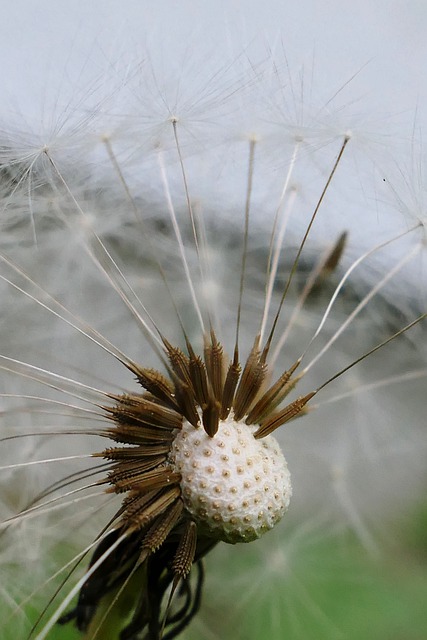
(41, 38)
(51, 50)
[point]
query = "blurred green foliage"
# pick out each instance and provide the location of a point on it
(331, 588)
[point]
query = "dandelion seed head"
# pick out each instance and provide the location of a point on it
(115, 165)
(235, 486)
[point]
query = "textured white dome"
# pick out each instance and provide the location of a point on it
(235, 487)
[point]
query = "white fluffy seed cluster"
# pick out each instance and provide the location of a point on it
(235, 487)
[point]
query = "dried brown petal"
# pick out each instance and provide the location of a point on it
(184, 555)
(162, 527)
(281, 417)
(273, 396)
(252, 378)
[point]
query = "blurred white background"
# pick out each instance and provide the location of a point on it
(383, 40)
